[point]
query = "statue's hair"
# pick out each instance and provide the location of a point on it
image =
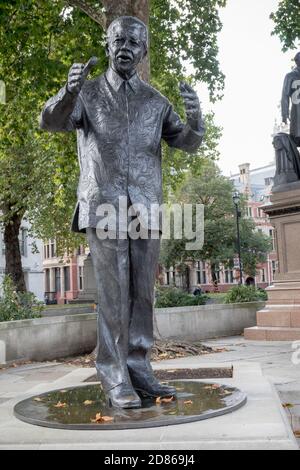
(297, 56)
(130, 20)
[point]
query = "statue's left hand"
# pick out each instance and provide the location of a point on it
(191, 102)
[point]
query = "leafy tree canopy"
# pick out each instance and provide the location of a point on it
(215, 191)
(287, 23)
(39, 40)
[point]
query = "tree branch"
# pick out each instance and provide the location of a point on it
(96, 15)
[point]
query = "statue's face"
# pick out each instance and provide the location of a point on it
(125, 47)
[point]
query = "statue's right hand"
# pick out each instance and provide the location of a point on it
(78, 74)
(76, 78)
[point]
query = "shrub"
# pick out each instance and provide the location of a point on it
(245, 294)
(18, 305)
(174, 297)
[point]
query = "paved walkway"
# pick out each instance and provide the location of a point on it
(274, 358)
(280, 362)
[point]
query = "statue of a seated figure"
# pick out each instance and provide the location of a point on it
(287, 160)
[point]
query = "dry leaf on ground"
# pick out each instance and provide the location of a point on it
(101, 419)
(88, 402)
(160, 400)
(212, 387)
(60, 405)
(188, 402)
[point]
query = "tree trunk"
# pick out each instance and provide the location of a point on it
(137, 8)
(13, 257)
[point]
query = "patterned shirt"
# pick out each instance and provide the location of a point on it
(119, 126)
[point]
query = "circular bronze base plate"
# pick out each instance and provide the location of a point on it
(85, 407)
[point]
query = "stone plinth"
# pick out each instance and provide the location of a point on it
(89, 292)
(280, 319)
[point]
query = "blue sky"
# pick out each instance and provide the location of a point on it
(255, 66)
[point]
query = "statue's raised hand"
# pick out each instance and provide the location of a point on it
(78, 74)
(191, 102)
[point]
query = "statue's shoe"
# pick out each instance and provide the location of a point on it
(123, 396)
(150, 387)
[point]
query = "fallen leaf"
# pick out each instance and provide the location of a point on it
(287, 405)
(38, 399)
(297, 433)
(88, 402)
(60, 405)
(160, 400)
(171, 371)
(215, 386)
(226, 392)
(212, 387)
(107, 418)
(188, 402)
(101, 419)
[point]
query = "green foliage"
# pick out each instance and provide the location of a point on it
(240, 294)
(18, 305)
(39, 41)
(39, 171)
(173, 297)
(214, 191)
(287, 23)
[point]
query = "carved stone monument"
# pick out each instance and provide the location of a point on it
(280, 319)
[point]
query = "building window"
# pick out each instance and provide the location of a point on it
(80, 275)
(23, 242)
(271, 234)
(201, 272)
(274, 268)
(47, 280)
(57, 280)
(2, 243)
(249, 210)
(229, 276)
(46, 251)
(263, 275)
(269, 181)
(217, 272)
(52, 248)
(67, 278)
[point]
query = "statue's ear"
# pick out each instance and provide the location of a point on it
(106, 49)
(145, 52)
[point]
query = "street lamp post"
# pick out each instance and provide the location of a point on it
(236, 200)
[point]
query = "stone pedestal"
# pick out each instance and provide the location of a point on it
(280, 319)
(89, 292)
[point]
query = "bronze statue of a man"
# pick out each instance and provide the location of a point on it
(120, 121)
(291, 92)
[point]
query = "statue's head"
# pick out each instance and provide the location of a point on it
(126, 44)
(297, 59)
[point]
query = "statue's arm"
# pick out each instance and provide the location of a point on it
(187, 136)
(285, 99)
(62, 112)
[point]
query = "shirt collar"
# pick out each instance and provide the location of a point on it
(116, 81)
